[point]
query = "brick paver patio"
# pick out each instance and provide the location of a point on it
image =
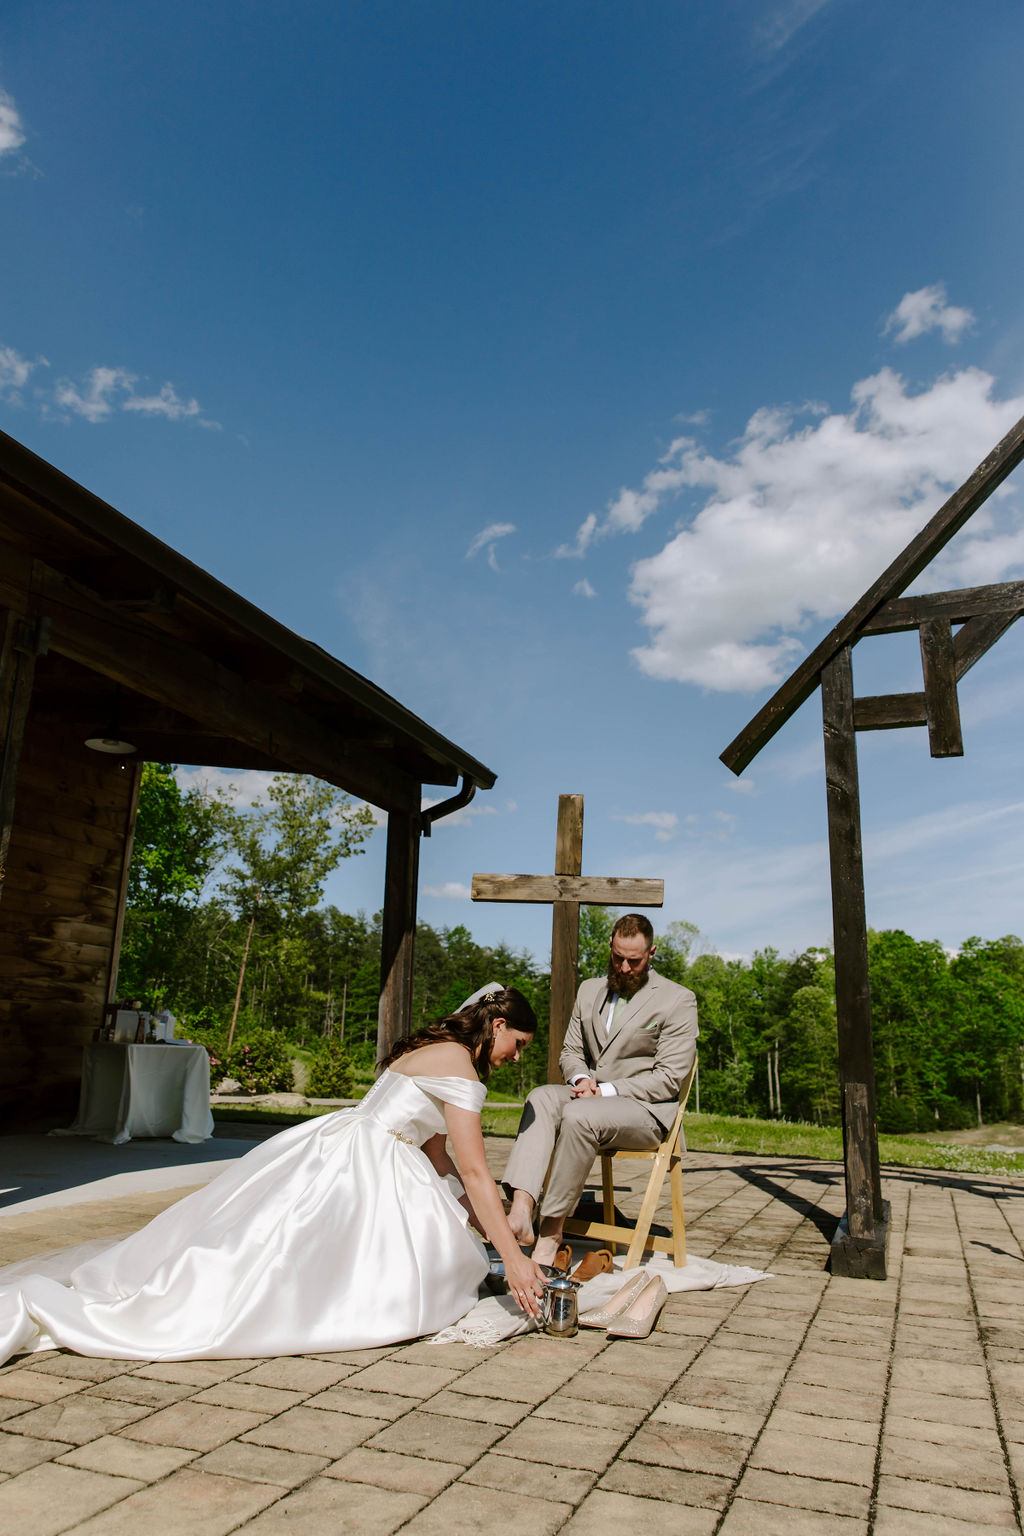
(801, 1404)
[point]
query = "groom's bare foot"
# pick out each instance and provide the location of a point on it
(520, 1218)
(546, 1248)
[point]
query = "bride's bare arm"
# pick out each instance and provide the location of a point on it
(436, 1149)
(525, 1278)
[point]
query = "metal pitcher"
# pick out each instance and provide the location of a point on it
(558, 1307)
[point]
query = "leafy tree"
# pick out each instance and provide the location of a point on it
(284, 853)
(596, 924)
(180, 837)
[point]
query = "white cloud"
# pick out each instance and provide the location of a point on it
(96, 397)
(244, 786)
(800, 518)
(14, 372)
(663, 822)
(487, 538)
(105, 390)
(166, 403)
(741, 786)
(451, 890)
(466, 813)
(584, 537)
(12, 134)
(584, 589)
(924, 310)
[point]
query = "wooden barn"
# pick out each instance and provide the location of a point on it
(107, 634)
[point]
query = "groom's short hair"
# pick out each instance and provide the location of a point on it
(631, 925)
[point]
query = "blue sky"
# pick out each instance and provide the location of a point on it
(567, 370)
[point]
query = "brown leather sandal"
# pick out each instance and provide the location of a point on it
(599, 1262)
(563, 1258)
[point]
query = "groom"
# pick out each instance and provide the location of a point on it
(628, 1049)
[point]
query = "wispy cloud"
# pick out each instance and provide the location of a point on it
(96, 396)
(926, 309)
(166, 403)
(468, 812)
(802, 515)
(741, 786)
(14, 373)
(451, 890)
(663, 822)
(584, 538)
(783, 22)
(103, 391)
(12, 133)
(584, 589)
(487, 538)
(245, 786)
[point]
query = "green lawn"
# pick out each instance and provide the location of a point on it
(782, 1138)
(729, 1133)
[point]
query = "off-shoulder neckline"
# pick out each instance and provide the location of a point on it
(435, 1077)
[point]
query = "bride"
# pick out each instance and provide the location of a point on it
(346, 1232)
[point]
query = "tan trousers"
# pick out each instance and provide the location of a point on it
(576, 1130)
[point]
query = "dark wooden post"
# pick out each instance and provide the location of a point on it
(565, 928)
(398, 935)
(20, 643)
(859, 1246)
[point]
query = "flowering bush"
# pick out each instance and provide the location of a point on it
(261, 1063)
(259, 1060)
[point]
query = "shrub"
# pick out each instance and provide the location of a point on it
(331, 1075)
(261, 1063)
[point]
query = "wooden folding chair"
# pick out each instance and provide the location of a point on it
(666, 1158)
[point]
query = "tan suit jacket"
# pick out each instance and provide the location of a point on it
(650, 1048)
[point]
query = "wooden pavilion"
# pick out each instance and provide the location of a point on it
(105, 632)
(981, 616)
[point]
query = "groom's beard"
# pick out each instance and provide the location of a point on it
(627, 983)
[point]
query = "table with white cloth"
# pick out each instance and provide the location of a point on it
(143, 1090)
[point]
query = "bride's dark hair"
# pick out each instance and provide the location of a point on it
(472, 1027)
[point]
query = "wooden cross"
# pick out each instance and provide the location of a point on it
(567, 890)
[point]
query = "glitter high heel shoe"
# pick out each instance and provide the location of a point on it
(640, 1316)
(600, 1317)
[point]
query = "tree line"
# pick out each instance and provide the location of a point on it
(226, 925)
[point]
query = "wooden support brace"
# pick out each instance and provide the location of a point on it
(938, 660)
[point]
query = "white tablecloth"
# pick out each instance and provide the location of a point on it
(143, 1090)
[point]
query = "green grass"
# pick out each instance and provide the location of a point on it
(784, 1138)
(730, 1134)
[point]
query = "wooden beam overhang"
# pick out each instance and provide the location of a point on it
(246, 690)
(87, 632)
(907, 566)
(105, 559)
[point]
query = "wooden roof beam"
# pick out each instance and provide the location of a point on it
(1005, 597)
(220, 700)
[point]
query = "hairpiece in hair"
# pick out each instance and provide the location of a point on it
(485, 994)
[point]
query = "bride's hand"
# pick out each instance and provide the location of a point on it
(526, 1283)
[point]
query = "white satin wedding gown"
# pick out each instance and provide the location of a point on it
(335, 1234)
